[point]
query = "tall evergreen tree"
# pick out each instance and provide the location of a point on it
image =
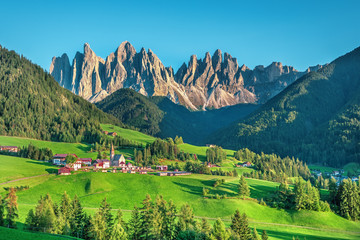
(186, 218)
(219, 230)
(105, 211)
(255, 235)
(205, 227)
(118, 231)
(77, 218)
(264, 235)
(135, 224)
(146, 217)
(11, 208)
(243, 187)
(99, 227)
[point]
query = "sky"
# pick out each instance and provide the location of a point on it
(296, 33)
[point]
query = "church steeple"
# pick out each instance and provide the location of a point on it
(112, 152)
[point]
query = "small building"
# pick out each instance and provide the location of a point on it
(102, 163)
(114, 170)
(247, 164)
(12, 149)
(60, 159)
(210, 145)
(210, 165)
(161, 174)
(64, 171)
(162, 167)
(86, 161)
(142, 172)
(105, 132)
(77, 165)
(112, 134)
(131, 171)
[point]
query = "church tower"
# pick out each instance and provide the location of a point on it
(112, 152)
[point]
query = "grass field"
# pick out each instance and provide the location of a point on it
(129, 134)
(125, 190)
(9, 234)
(15, 168)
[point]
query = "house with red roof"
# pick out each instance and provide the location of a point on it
(64, 171)
(12, 149)
(102, 163)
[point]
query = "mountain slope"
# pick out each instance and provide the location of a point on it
(213, 82)
(32, 104)
(160, 117)
(316, 118)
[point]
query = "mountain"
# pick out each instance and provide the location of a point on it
(32, 104)
(213, 82)
(317, 118)
(158, 116)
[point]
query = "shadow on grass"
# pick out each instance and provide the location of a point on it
(300, 236)
(85, 148)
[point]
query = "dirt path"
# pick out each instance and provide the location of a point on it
(20, 179)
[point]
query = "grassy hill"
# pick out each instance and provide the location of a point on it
(125, 190)
(317, 118)
(160, 117)
(32, 104)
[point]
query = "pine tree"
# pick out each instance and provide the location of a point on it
(45, 215)
(11, 208)
(219, 230)
(99, 227)
(236, 223)
(170, 220)
(255, 235)
(30, 222)
(65, 206)
(118, 232)
(186, 218)
(135, 224)
(205, 227)
(105, 211)
(264, 235)
(243, 187)
(146, 217)
(77, 217)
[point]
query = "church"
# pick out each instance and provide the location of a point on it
(116, 160)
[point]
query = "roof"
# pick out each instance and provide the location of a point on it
(64, 169)
(85, 159)
(8, 146)
(102, 160)
(118, 157)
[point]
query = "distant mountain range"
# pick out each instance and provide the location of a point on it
(213, 82)
(317, 118)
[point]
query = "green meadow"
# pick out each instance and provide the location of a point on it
(123, 191)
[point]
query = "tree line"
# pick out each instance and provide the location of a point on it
(154, 219)
(272, 167)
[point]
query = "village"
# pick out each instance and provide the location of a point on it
(117, 163)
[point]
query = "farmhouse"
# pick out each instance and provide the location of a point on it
(131, 171)
(86, 161)
(102, 163)
(77, 165)
(209, 165)
(162, 167)
(59, 159)
(142, 172)
(211, 145)
(247, 164)
(64, 171)
(112, 134)
(162, 174)
(12, 149)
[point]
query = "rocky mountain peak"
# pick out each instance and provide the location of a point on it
(212, 82)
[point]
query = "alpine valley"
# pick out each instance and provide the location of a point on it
(105, 149)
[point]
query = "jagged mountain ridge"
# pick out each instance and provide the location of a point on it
(212, 82)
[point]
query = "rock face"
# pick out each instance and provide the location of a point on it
(212, 82)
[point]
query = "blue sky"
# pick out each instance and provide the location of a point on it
(297, 33)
